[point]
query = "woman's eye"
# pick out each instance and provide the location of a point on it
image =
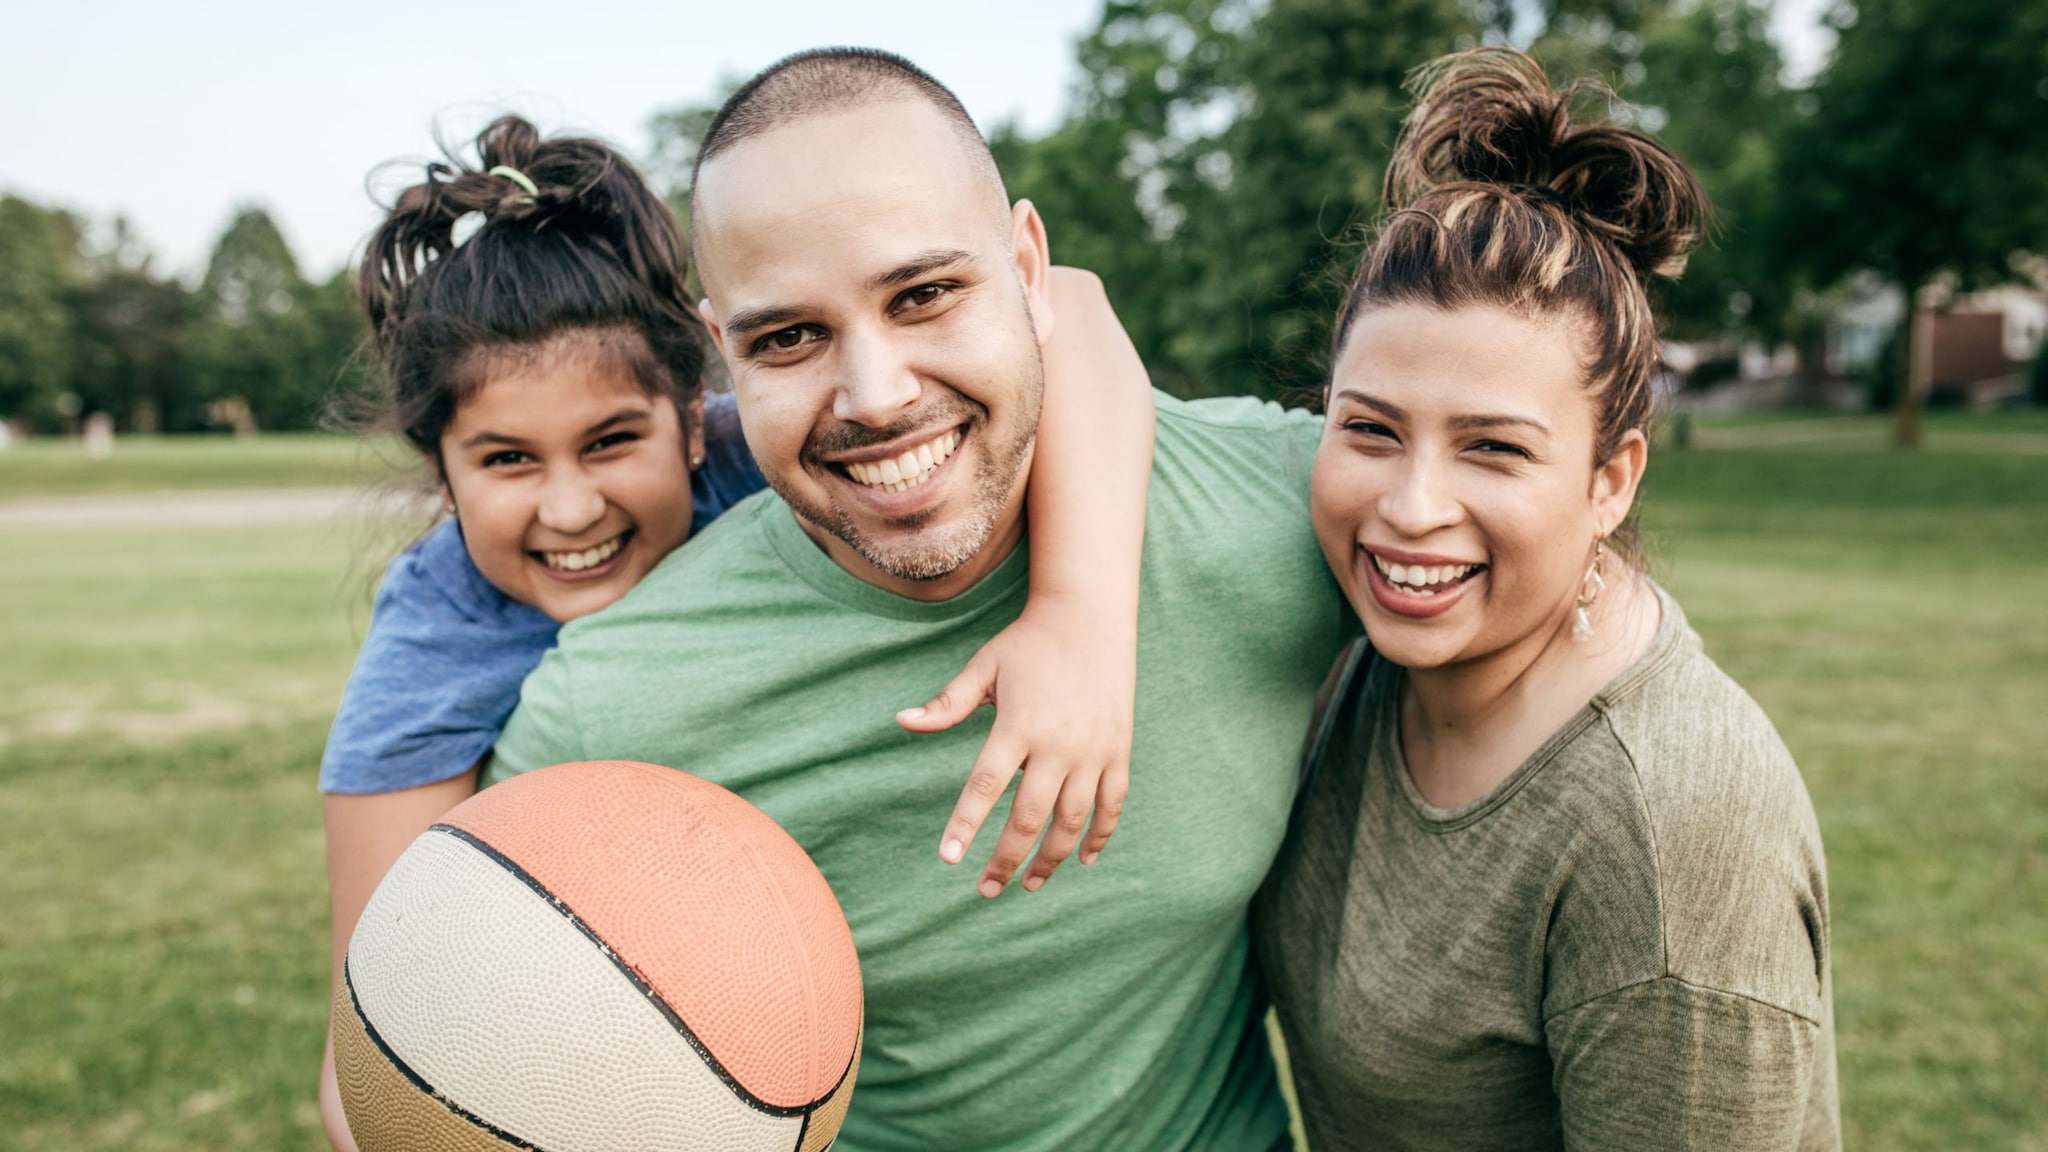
(1368, 428)
(1501, 448)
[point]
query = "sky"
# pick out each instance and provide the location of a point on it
(172, 114)
(175, 114)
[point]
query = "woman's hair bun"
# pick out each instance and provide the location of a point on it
(1490, 116)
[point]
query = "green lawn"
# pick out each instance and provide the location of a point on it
(164, 696)
(53, 467)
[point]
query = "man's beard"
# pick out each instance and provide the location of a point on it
(916, 551)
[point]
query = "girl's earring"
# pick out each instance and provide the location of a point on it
(1589, 594)
(447, 504)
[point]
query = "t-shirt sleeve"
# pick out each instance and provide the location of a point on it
(438, 673)
(1666, 1065)
(543, 729)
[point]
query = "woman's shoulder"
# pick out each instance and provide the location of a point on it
(1741, 883)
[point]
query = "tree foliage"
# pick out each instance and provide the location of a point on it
(88, 325)
(1924, 150)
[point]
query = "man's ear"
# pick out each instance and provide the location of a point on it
(1034, 266)
(1616, 479)
(710, 318)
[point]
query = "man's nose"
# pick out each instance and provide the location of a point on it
(570, 501)
(876, 382)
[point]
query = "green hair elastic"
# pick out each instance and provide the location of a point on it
(517, 177)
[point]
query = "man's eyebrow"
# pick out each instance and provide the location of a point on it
(921, 265)
(749, 321)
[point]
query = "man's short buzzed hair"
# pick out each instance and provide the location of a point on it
(831, 80)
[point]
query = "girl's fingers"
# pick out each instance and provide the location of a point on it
(1109, 807)
(1037, 795)
(1069, 818)
(986, 783)
(973, 687)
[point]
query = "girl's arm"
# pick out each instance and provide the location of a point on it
(365, 837)
(1063, 677)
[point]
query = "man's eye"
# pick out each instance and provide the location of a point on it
(922, 295)
(787, 339)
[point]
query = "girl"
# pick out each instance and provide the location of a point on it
(1556, 882)
(548, 369)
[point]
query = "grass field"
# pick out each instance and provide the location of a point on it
(165, 693)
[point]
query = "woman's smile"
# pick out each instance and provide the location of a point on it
(1414, 585)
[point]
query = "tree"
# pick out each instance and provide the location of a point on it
(254, 337)
(1923, 152)
(40, 265)
(131, 326)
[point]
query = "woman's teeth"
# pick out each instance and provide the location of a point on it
(908, 470)
(1423, 580)
(588, 558)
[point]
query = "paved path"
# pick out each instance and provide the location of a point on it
(219, 508)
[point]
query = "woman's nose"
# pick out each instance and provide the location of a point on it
(1420, 501)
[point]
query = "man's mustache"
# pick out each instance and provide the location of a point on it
(846, 436)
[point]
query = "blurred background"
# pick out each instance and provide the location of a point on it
(1850, 491)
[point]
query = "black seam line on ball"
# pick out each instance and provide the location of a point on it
(647, 992)
(419, 1082)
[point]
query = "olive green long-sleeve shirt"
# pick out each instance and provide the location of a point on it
(1623, 946)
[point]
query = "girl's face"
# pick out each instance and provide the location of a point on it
(570, 479)
(1455, 493)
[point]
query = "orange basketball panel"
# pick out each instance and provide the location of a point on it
(706, 898)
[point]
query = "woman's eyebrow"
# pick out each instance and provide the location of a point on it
(1494, 420)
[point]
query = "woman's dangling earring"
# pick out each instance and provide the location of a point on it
(1589, 593)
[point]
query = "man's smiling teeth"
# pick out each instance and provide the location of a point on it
(908, 470)
(1423, 580)
(588, 558)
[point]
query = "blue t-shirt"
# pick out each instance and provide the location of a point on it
(441, 668)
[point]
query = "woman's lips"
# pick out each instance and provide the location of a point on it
(1403, 600)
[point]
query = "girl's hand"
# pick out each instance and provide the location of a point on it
(1063, 681)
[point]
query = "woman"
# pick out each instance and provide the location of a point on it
(1555, 882)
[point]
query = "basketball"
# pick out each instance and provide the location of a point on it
(600, 956)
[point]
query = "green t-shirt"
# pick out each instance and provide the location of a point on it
(1114, 1008)
(1623, 945)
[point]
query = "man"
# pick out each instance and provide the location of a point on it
(874, 293)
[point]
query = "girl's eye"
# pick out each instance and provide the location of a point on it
(611, 441)
(505, 459)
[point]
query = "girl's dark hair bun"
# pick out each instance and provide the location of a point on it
(1490, 116)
